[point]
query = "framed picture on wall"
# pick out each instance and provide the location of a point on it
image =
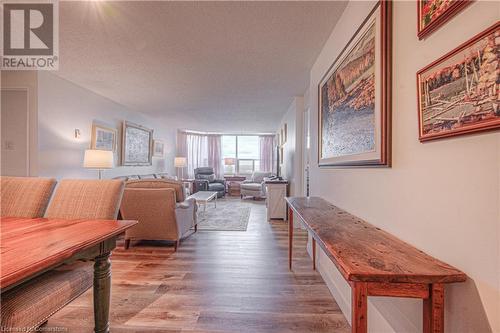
(355, 97)
(459, 93)
(434, 13)
(158, 148)
(137, 144)
(103, 138)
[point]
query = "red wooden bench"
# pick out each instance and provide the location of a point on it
(373, 262)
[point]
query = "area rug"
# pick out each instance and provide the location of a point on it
(230, 215)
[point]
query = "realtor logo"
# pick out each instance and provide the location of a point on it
(30, 39)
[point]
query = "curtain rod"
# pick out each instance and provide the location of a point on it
(219, 133)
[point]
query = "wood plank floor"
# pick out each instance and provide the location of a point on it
(217, 282)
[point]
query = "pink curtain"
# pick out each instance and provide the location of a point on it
(200, 150)
(266, 145)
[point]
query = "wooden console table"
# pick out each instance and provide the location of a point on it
(31, 247)
(373, 262)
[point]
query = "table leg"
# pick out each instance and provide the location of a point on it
(314, 253)
(359, 309)
(290, 237)
(102, 292)
(433, 311)
(215, 201)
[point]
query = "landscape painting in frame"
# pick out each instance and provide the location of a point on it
(434, 13)
(354, 103)
(460, 92)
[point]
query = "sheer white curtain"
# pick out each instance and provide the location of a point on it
(181, 152)
(200, 150)
(215, 154)
(197, 152)
(266, 145)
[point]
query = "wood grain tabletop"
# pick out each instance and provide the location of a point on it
(29, 245)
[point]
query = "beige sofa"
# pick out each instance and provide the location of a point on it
(161, 209)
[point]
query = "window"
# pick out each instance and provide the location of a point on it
(240, 154)
(229, 154)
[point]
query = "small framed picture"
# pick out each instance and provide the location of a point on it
(103, 138)
(158, 148)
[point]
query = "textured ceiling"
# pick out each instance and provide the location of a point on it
(218, 66)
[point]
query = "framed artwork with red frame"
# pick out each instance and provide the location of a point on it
(459, 93)
(434, 13)
(354, 97)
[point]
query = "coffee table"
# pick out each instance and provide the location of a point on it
(204, 197)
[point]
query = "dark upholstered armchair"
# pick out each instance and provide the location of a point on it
(205, 180)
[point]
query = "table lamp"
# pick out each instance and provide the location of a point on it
(180, 163)
(98, 159)
(231, 162)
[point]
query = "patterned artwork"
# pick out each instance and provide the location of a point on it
(351, 95)
(460, 92)
(434, 13)
(348, 109)
(137, 144)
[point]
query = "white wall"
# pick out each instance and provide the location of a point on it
(26, 80)
(64, 106)
(292, 157)
(442, 196)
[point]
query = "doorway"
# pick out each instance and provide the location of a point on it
(15, 132)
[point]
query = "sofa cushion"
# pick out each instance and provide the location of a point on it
(217, 187)
(124, 178)
(150, 176)
(251, 186)
(204, 171)
(258, 176)
(210, 178)
(29, 305)
(159, 183)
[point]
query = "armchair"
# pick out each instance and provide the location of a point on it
(161, 209)
(204, 180)
(255, 186)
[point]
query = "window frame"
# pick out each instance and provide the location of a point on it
(238, 159)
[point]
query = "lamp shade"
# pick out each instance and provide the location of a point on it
(229, 161)
(98, 159)
(180, 162)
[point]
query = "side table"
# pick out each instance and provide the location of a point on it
(233, 184)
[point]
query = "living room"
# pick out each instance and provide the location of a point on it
(250, 166)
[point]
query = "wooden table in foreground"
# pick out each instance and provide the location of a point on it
(30, 247)
(373, 262)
